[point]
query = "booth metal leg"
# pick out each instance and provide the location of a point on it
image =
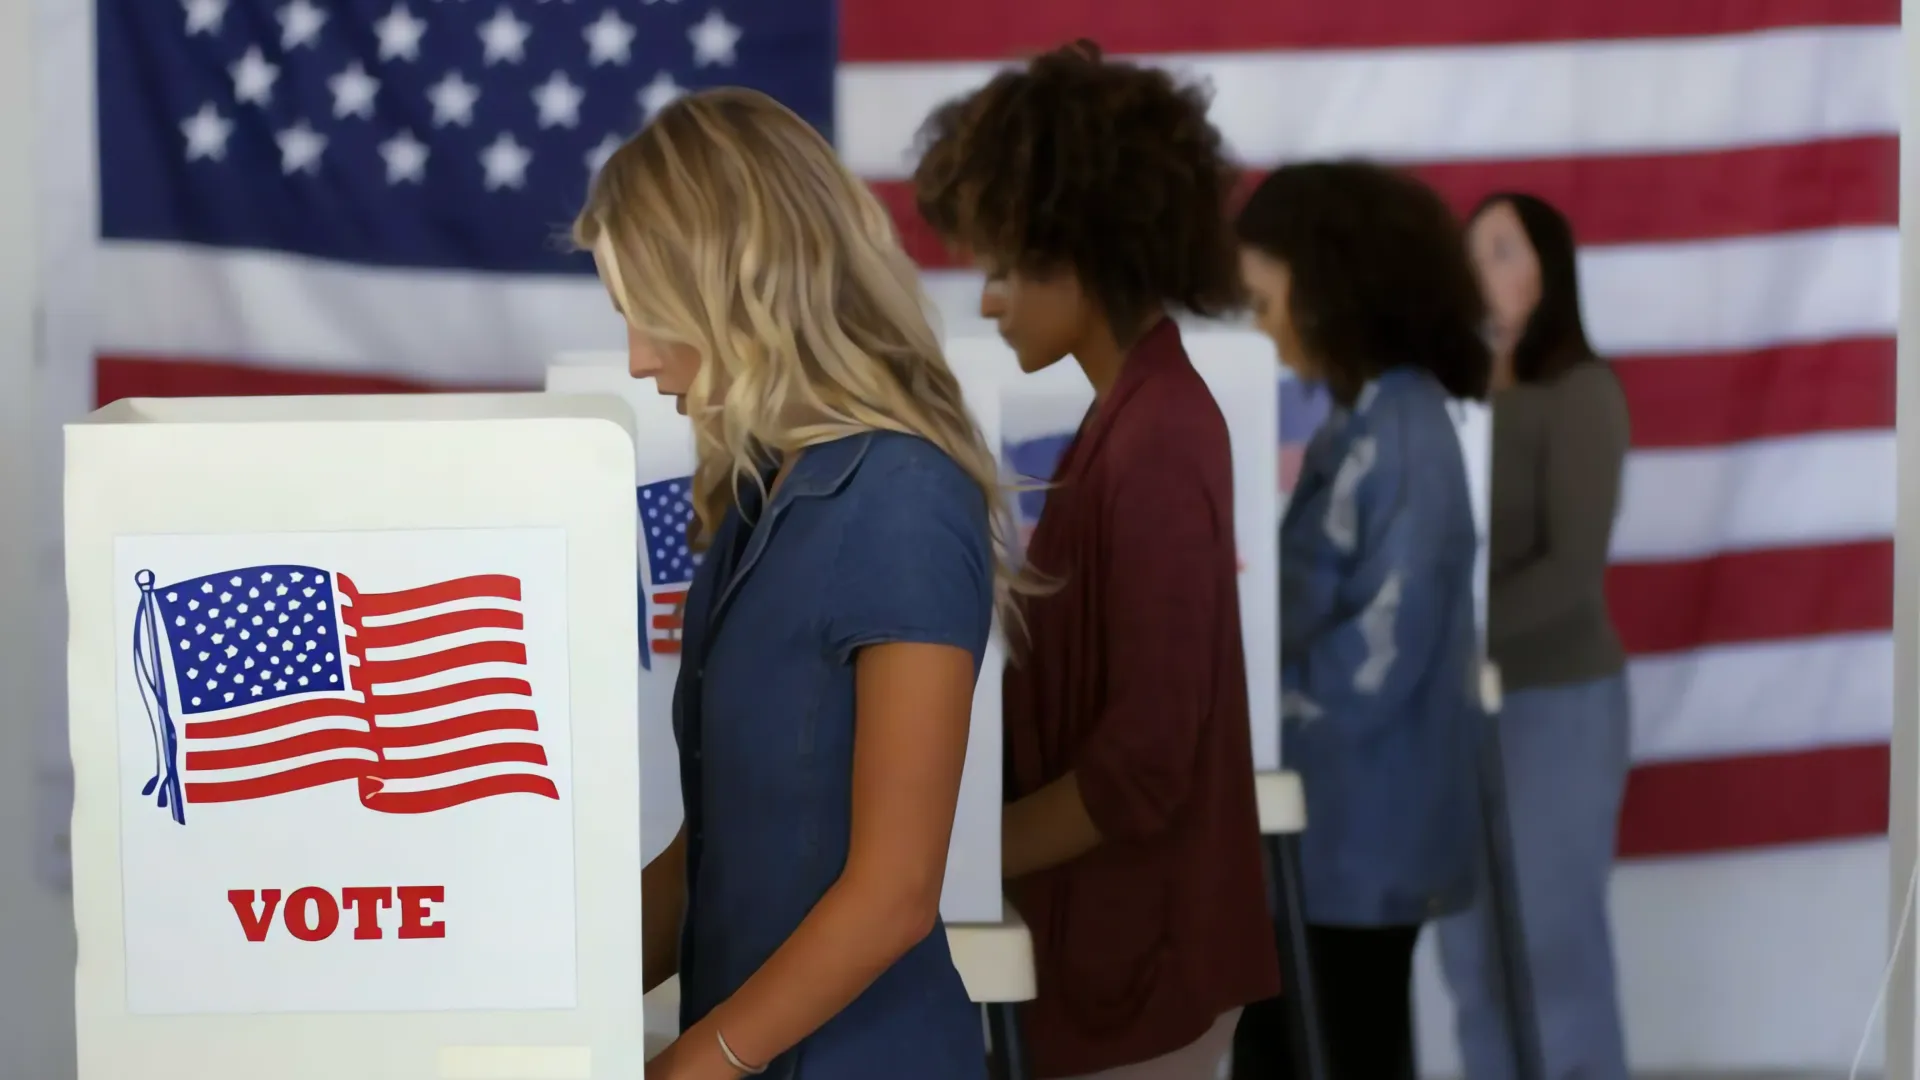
(1503, 899)
(1007, 1049)
(1411, 1069)
(1297, 991)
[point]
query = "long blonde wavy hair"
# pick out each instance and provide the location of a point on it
(729, 225)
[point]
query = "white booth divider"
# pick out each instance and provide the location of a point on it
(351, 683)
(663, 452)
(663, 448)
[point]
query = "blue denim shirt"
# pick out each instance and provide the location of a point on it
(1379, 655)
(872, 538)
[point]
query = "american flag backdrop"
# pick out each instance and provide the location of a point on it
(331, 195)
(288, 677)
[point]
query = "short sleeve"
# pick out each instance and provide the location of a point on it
(915, 562)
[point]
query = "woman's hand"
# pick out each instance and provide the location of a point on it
(1046, 829)
(695, 1055)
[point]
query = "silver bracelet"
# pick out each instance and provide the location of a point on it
(733, 1059)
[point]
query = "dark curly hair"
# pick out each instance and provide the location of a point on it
(1107, 168)
(1380, 273)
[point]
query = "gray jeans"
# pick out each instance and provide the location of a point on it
(1564, 756)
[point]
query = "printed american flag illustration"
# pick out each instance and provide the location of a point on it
(666, 510)
(300, 196)
(285, 677)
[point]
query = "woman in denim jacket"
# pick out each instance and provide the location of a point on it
(1360, 275)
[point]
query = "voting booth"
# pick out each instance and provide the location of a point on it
(664, 459)
(351, 683)
(1473, 422)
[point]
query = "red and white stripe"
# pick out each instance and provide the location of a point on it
(440, 711)
(1730, 168)
(664, 619)
(237, 755)
(444, 668)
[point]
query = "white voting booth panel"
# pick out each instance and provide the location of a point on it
(1239, 368)
(663, 446)
(355, 783)
(663, 449)
(1473, 421)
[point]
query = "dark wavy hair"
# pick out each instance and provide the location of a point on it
(1555, 337)
(1106, 168)
(1380, 273)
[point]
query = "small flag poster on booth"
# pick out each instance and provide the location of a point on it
(345, 771)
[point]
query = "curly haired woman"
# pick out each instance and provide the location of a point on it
(1360, 275)
(1093, 195)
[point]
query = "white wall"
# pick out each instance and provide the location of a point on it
(36, 960)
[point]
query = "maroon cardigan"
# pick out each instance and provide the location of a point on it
(1134, 678)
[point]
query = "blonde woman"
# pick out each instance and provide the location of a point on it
(854, 549)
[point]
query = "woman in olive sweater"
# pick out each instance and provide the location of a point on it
(1560, 435)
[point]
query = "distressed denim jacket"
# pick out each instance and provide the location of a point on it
(1378, 656)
